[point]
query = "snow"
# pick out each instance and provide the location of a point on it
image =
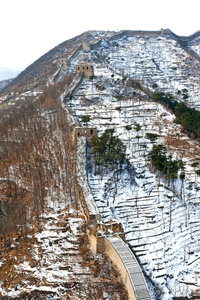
(161, 226)
(82, 176)
(57, 244)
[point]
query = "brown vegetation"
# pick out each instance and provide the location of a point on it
(36, 164)
(104, 271)
(35, 146)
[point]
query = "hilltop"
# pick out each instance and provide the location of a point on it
(136, 76)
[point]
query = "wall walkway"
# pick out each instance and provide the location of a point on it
(128, 267)
(75, 87)
(104, 238)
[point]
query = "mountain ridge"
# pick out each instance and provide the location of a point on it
(89, 36)
(132, 69)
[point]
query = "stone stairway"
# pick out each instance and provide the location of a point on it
(133, 269)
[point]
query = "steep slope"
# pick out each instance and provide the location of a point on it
(160, 216)
(160, 220)
(44, 250)
(37, 74)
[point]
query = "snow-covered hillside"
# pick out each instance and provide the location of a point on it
(153, 59)
(44, 252)
(161, 219)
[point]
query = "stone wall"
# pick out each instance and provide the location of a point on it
(86, 47)
(96, 45)
(78, 49)
(62, 62)
(82, 188)
(139, 32)
(130, 271)
(115, 257)
(91, 215)
(88, 132)
(97, 243)
(88, 70)
(105, 238)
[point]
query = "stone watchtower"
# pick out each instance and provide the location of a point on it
(63, 62)
(88, 132)
(87, 70)
(86, 47)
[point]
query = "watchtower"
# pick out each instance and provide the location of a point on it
(88, 70)
(88, 132)
(86, 47)
(65, 63)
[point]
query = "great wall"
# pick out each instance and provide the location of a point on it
(95, 97)
(107, 238)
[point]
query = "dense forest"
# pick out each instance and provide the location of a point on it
(188, 117)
